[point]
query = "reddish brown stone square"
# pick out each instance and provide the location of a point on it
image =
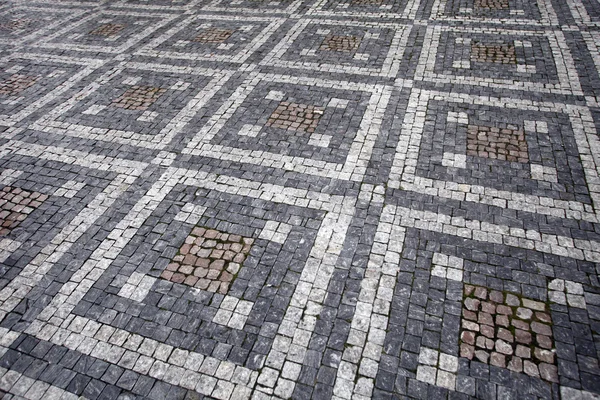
(15, 205)
(214, 35)
(203, 263)
(340, 43)
(107, 30)
(138, 97)
(494, 53)
(16, 24)
(16, 83)
(296, 117)
(508, 333)
(496, 143)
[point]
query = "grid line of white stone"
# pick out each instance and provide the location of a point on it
(54, 322)
(364, 345)
(50, 123)
(215, 6)
(409, 11)
(390, 66)
(163, 19)
(547, 13)
(172, 6)
(240, 57)
(568, 80)
(69, 15)
(358, 156)
(580, 14)
(403, 172)
(88, 66)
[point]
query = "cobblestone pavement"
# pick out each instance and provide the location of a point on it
(326, 199)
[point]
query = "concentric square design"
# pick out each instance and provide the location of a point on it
(139, 104)
(29, 81)
(22, 23)
(516, 12)
(106, 31)
(213, 38)
(500, 59)
(286, 123)
(505, 157)
(346, 47)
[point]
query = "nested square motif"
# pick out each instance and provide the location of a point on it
(15, 205)
(107, 30)
(496, 53)
(507, 331)
(214, 35)
(17, 83)
(340, 43)
(350, 47)
(138, 97)
(208, 260)
(296, 117)
(501, 144)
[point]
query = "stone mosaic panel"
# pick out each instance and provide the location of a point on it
(213, 38)
(368, 8)
(350, 47)
(105, 31)
(495, 11)
(486, 57)
(145, 104)
(21, 23)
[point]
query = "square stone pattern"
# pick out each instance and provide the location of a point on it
(499, 54)
(499, 151)
(495, 143)
(508, 332)
(206, 38)
(107, 30)
(495, 59)
(126, 103)
(286, 127)
(138, 97)
(296, 117)
(348, 45)
(340, 43)
(17, 83)
(363, 7)
(214, 35)
(15, 205)
(209, 260)
(18, 23)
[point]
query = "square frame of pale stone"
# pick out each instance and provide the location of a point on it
(359, 154)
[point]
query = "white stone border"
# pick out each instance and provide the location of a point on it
(390, 66)
(409, 12)
(240, 57)
(163, 20)
(88, 66)
(403, 173)
(568, 80)
(215, 6)
(358, 156)
(49, 122)
(547, 13)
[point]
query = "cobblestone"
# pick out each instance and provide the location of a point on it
(328, 199)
